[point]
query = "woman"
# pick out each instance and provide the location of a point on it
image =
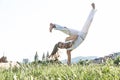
(75, 37)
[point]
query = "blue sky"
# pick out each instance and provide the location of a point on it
(24, 27)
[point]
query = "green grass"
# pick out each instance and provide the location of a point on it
(62, 72)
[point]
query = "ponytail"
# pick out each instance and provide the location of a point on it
(55, 49)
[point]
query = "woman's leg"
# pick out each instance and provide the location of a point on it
(88, 21)
(63, 29)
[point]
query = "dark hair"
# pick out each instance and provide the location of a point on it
(55, 49)
(58, 44)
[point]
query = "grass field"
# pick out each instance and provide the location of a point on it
(62, 72)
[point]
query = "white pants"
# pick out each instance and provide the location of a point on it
(82, 34)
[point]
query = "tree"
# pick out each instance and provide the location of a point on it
(47, 56)
(36, 57)
(43, 57)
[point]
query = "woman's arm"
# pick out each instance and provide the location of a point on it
(73, 38)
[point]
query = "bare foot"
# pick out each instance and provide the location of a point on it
(51, 27)
(93, 5)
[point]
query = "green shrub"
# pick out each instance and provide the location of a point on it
(117, 60)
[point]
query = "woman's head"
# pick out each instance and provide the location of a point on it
(63, 45)
(60, 45)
